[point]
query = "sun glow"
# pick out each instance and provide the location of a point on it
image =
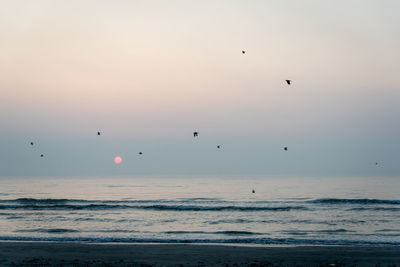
(117, 160)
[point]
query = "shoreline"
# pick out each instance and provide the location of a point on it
(140, 254)
(260, 245)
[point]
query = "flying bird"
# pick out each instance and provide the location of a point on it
(41, 155)
(195, 134)
(376, 163)
(243, 52)
(98, 133)
(218, 146)
(31, 143)
(253, 191)
(288, 81)
(285, 148)
(140, 153)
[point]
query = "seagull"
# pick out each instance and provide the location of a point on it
(243, 52)
(98, 133)
(218, 146)
(195, 134)
(285, 148)
(288, 81)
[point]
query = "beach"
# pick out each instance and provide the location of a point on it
(105, 254)
(199, 222)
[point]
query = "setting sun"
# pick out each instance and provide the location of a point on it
(117, 160)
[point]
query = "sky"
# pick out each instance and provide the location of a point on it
(149, 73)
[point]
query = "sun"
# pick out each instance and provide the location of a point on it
(118, 160)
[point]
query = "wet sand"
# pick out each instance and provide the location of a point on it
(88, 254)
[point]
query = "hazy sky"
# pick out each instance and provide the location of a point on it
(148, 73)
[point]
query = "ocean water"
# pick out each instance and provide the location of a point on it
(283, 210)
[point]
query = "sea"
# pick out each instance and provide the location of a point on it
(204, 210)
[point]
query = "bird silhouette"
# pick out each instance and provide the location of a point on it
(41, 155)
(195, 134)
(31, 143)
(253, 191)
(98, 133)
(243, 52)
(140, 153)
(218, 146)
(285, 148)
(288, 82)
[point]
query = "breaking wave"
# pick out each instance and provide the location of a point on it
(364, 201)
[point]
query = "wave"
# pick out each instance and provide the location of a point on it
(375, 209)
(191, 204)
(186, 232)
(223, 208)
(43, 201)
(240, 221)
(59, 206)
(45, 230)
(328, 232)
(333, 231)
(259, 241)
(15, 217)
(54, 201)
(354, 201)
(237, 233)
(388, 230)
(116, 231)
(218, 232)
